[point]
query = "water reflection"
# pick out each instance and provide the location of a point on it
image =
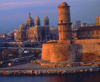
(89, 77)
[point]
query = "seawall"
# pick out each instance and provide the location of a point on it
(90, 49)
(47, 72)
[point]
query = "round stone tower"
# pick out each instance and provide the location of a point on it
(63, 49)
(64, 24)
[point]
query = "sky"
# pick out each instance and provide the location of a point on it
(14, 12)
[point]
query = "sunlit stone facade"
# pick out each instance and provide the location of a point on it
(64, 24)
(33, 32)
(97, 21)
(88, 32)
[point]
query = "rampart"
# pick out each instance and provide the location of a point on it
(90, 49)
(46, 52)
(60, 52)
(80, 50)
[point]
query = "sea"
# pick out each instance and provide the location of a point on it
(79, 77)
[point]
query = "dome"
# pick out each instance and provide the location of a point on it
(37, 21)
(29, 21)
(46, 20)
(21, 26)
(98, 17)
(63, 4)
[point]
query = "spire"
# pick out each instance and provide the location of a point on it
(29, 14)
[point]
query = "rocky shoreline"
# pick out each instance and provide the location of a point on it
(46, 63)
(46, 72)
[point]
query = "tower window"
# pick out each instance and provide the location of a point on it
(61, 21)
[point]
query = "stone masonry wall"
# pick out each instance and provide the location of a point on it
(62, 52)
(90, 49)
(46, 52)
(82, 50)
(58, 52)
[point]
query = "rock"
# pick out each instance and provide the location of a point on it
(81, 70)
(91, 70)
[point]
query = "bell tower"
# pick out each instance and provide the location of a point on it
(64, 24)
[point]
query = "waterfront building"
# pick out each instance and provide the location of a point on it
(97, 21)
(84, 24)
(88, 32)
(91, 24)
(76, 24)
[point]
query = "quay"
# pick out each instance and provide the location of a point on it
(33, 69)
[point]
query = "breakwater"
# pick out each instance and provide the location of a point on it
(46, 72)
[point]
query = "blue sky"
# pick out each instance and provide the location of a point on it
(14, 12)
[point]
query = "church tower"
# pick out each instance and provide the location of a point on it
(29, 22)
(64, 24)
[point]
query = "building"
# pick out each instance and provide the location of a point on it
(84, 49)
(20, 34)
(33, 32)
(92, 24)
(2, 37)
(6, 37)
(84, 24)
(76, 24)
(63, 49)
(88, 32)
(54, 33)
(97, 21)
(74, 33)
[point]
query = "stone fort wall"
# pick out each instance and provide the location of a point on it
(58, 52)
(90, 49)
(81, 50)
(62, 52)
(46, 52)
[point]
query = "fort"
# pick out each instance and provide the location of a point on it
(63, 56)
(67, 49)
(64, 49)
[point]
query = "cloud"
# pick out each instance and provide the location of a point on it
(10, 5)
(26, 3)
(19, 3)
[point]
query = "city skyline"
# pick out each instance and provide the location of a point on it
(13, 13)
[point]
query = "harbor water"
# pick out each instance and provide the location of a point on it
(79, 77)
